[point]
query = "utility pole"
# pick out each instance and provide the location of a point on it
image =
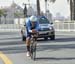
(38, 7)
(71, 9)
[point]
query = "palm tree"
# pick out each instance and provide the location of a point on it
(1, 13)
(49, 1)
(5, 14)
(71, 8)
(38, 7)
(52, 1)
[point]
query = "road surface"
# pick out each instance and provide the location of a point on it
(60, 51)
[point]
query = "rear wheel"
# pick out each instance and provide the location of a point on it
(34, 52)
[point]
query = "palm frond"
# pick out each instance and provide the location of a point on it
(52, 1)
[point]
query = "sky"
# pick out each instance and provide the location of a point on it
(20, 2)
(59, 6)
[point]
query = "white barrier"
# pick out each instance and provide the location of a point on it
(9, 27)
(59, 26)
(64, 26)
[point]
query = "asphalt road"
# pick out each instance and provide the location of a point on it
(59, 51)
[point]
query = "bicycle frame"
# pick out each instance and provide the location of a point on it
(33, 48)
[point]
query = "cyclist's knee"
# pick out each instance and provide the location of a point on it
(28, 38)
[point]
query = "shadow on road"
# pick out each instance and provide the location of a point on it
(53, 58)
(13, 50)
(22, 49)
(11, 43)
(70, 39)
(65, 39)
(55, 47)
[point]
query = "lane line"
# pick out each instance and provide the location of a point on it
(5, 59)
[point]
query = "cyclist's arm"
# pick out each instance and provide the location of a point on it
(28, 26)
(37, 26)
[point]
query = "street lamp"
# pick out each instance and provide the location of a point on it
(25, 11)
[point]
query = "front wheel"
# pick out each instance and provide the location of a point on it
(33, 50)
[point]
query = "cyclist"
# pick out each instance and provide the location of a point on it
(32, 26)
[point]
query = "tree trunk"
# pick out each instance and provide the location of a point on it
(74, 10)
(0, 19)
(45, 6)
(5, 21)
(38, 7)
(71, 10)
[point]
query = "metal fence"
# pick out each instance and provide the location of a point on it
(9, 27)
(59, 26)
(64, 26)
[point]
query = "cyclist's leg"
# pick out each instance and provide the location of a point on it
(28, 40)
(28, 43)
